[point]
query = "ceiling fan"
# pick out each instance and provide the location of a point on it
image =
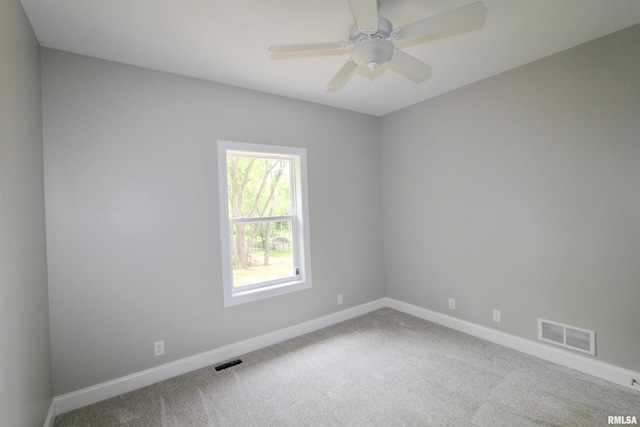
(372, 38)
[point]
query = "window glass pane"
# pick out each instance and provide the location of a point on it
(262, 251)
(258, 186)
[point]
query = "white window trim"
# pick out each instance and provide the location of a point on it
(233, 296)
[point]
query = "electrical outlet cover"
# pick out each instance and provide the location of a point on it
(158, 348)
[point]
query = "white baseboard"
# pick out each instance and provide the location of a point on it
(51, 415)
(580, 363)
(87, 396)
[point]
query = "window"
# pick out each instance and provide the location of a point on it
(263, 221)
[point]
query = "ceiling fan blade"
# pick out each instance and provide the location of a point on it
(460, 17)
(342, 77)
(409, 66)
(308, 47)
(365, 13)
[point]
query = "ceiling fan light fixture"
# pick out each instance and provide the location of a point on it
(373, 52)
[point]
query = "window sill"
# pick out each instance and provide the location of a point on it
(240, 297)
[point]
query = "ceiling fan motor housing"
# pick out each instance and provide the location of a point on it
(383, 31)
(372, 50)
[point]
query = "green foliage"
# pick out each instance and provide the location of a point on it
(258, 186)
(276, 253)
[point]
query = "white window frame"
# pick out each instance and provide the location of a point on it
(299, 217)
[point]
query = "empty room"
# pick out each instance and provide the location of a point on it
(322, 212)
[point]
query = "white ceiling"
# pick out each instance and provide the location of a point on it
(226, 41)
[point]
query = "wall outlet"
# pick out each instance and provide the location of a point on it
(340, 299)
(497, 316)
(158, 348)
(452, 304)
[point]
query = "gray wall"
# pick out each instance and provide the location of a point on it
(522, 193)
(25, 376)
(132, 213)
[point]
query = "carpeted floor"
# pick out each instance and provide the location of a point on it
(382, 369)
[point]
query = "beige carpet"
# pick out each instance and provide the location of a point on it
(382, 369)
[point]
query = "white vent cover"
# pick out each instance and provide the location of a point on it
(567, 336)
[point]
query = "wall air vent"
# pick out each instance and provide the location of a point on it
(567, 336)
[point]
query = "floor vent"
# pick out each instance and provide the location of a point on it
(567, 336)
(228, 364)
